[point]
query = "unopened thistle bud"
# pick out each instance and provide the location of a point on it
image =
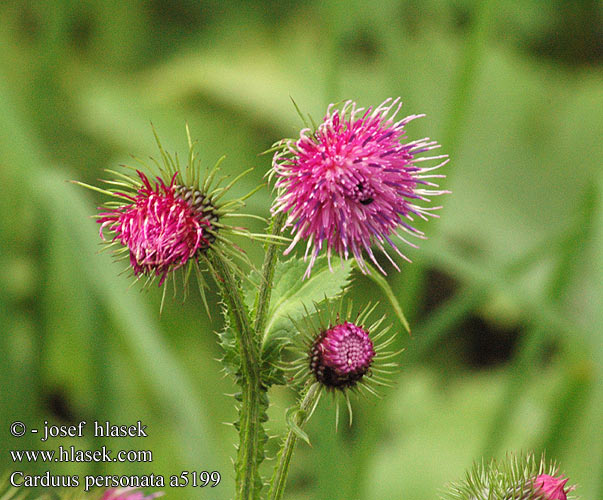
(520, 477)
(344, 353)
(552, 487)
(352, 183)
(341, 355)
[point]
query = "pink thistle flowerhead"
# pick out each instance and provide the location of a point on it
(170, 220)
(128, 494)
(352, 183)
(551, 487)
(161, 228)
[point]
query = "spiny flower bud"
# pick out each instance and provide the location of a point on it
(351, 183)
(345, 353)
(516, 477)
(341, 355)
(552, 487)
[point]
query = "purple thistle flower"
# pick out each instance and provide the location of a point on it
(351, 183)
(552, 487)
(128, 494)
(161, 230)
(341, 355)
(173, 221)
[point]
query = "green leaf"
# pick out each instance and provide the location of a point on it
(382, 283)
(231, 358)
(293, 415)
(291, 292)
(291, 296)
(250, 289)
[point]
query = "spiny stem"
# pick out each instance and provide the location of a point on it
(231, 293)
(281, 470)
(250, 425)
(263, 297)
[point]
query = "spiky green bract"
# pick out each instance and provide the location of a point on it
(511, 478)
(197, 194)
(327, 317)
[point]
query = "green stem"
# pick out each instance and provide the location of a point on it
(263, 298)
(253, 397)
(596, 441)
(231, 292)
(281, 470)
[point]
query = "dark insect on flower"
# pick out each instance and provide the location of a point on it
(172, 221)
(352, 183)
(344, 353)
(364, 199)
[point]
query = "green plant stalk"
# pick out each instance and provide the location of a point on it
(262, 302)
(281, 470)
(252, 394)
(597, 398)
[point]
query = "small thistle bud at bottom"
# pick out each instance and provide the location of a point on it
(341, 355)
(515, 477)
(553, 488)
(128, 494)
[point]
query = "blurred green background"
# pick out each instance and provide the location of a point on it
(504, 298)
